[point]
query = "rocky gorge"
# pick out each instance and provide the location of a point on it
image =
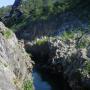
(63, 56)
(60, 47)
(67, 55)
(47, 47)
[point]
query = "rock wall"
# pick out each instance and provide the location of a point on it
(15, 63)
(72, 61)
(71, 56)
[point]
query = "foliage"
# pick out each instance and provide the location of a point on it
(36, 8)
(4, 11)
(84, 43)
(41, 41)
(82, 38)
(28, 85)
(42, 9)
(68, 35)
(79, 35)
(87, 67)
(45, 7)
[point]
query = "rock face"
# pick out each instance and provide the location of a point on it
(15, 63)
(70, 56)
(72, 62)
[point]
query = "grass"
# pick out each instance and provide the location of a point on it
(41, 41)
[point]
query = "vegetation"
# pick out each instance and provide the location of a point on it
(28, 85)
(88, 66)
(4, 11)
(41, 41)
(79, 35)
(7, 34)
(83, 44)
(68, 35)
(42, 9)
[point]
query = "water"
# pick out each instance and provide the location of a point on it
(39, 82)
(46, 81)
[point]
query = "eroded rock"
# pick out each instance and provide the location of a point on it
(14, 61)
(67, 57)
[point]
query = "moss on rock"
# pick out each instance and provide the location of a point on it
(7, 34)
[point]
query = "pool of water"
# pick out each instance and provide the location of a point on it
(39, 82)
(47, 81)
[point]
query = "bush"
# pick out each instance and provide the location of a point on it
(88, 67)
(68, 35)
(28, 85)
(84, 43)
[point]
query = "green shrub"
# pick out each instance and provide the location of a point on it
(83, 44)
(68, 35)
(88, 67)
(82, 38)
(28, 85)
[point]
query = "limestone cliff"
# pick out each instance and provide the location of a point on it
(15, 63)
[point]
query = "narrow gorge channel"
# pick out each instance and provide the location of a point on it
(44, 80)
